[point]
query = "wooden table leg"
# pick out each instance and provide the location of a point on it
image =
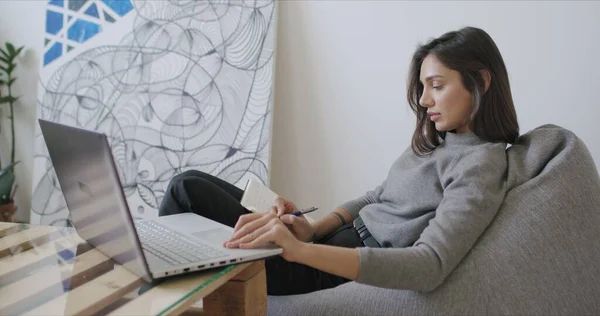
(244, 294)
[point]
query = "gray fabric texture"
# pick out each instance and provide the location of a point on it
(539, 256)
(429, 212)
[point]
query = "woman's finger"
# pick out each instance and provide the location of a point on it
(244, 219)
(290, 207)
(262, 240)
(289, 219)
(248, 238)
(252, 226)
(280, 205)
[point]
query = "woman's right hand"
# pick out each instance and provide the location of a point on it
(298, 225)
(283, 206)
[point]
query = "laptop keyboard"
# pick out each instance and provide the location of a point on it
(171, 246)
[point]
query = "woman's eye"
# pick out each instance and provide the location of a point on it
(436, 87)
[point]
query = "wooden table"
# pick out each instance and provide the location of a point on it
(51, 271)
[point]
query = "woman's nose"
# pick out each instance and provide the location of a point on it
(425, 100)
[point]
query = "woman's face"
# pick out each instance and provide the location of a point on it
(448, 103)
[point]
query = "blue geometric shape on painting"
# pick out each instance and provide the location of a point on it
(122, 7)
(108, 18)
(54, 52)
(81, 31)
(58, 3)
(92, 11)
(54, 22)
(75, 5)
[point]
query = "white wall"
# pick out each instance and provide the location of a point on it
(341, 117)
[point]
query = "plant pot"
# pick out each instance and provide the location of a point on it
(7, 211)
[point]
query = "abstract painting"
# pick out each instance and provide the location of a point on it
(175, 85)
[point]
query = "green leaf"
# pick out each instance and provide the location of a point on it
(4, 53)
(4, 60)
(10, 69)
(11, 48)
(7, 99)
(10, 82)
(7, 179)
(19, 50)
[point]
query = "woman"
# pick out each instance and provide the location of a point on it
(439, 196)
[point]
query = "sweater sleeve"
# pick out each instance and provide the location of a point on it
(354, 206)
(474, 187)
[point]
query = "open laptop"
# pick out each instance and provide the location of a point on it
(151, 249)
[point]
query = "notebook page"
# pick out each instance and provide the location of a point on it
(257, 197)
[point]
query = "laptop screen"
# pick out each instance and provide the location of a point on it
(86, 172)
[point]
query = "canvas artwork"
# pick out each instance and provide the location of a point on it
(175, 85)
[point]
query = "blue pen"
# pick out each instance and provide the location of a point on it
(304, 211)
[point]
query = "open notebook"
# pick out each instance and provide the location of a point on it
(259, 198)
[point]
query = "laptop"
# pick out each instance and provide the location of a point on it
(152, 249)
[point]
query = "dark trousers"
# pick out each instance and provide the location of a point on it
(213, 198)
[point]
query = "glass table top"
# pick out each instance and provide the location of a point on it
(51, 270)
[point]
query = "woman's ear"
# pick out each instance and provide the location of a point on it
(487, 79)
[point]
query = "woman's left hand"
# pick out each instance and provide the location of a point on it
(260, 229)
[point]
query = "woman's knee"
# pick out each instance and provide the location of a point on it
(187, 179)
(190, 174)
(179, 191)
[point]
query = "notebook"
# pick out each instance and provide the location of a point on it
(257, 197)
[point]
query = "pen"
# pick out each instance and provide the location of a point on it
(304, 211)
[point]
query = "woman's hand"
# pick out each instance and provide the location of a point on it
(283, 206)
(298, 225)
(261, 229)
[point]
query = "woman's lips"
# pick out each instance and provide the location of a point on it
(433, 116)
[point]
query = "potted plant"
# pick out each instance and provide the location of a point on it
(8, 56)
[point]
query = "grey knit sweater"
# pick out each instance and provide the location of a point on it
(429, 212)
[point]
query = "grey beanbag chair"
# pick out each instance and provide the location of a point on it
(540, 255)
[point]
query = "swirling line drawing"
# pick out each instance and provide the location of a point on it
(189, 87)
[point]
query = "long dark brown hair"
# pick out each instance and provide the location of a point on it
(468, 51)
